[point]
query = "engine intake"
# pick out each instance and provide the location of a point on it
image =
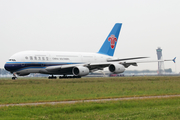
(116, 68)
(80, 71)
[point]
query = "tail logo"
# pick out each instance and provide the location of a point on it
(112, 39)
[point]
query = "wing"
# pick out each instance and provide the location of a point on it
(99, 66)
(91, 66)
(112, 60)
(127, 64)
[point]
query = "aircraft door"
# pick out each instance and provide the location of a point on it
(23, 61)
(23, 64)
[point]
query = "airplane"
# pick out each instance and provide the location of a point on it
(73, 64)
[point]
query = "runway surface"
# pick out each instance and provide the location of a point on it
(94, 100)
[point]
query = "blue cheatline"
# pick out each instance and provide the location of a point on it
(109, 44)
(17, 66)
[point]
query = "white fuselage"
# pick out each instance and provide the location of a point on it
(62, 57)
(36, 61)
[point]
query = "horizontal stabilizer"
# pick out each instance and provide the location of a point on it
(174, 60)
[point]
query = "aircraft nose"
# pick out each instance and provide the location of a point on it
(8, 67)
(11, 67)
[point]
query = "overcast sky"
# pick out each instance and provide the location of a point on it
(83, 25)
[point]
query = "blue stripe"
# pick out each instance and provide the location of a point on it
(40, 63)
(17, 66)
(29, 68)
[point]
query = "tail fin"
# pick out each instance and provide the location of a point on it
(109, 44)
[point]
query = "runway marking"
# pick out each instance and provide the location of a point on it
(94, 100)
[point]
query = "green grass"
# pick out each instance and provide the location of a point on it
(166, 108)
(41, 89)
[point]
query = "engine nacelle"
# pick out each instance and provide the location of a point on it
(116, 68)
(22, 74)
(80, 71)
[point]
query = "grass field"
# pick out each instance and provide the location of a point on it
(166, 109)
(41, 89)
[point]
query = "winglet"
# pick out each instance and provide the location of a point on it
(174, 60)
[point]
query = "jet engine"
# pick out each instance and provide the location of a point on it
(80, 71)
(116, 68)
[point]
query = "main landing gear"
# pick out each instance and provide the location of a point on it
(52, 77)
(63, 77)
(14, 76)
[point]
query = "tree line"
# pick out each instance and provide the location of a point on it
(4, 72)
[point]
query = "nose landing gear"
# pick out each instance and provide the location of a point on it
(14, 76)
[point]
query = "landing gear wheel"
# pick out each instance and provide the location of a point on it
(13, 78)
(66, 77)
(52, 77)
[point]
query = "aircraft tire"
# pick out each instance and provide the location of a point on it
(13, 78)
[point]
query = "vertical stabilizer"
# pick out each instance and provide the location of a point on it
(109, 44)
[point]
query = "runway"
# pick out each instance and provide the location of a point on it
(93, 100)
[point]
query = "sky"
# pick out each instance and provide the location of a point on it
(83, 25)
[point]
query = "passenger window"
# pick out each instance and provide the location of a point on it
(46, 58)
(43, 58)
(35, 58)
(26, 57)
(31, 58)
(39, 58)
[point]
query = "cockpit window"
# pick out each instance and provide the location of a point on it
(12, 60)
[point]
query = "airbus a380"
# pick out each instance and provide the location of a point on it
(70, 63)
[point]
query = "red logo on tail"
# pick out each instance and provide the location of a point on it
(112, 39)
